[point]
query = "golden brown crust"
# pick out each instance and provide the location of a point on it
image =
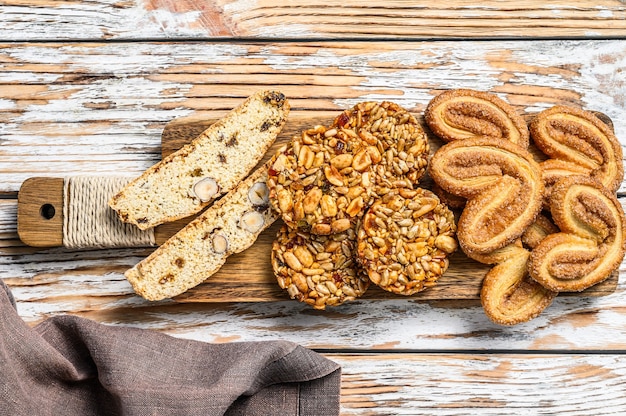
(590, 245)
(509, 296)
(223, 155)
(538, 230)
(581, 142)
(502, 183)
(500, 255)
(461, 114)
(552, 170)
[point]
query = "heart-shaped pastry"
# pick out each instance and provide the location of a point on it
(502, 184)
(590, 245)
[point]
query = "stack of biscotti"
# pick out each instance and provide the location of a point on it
(186, 181)
(229, 226)
(214, 164)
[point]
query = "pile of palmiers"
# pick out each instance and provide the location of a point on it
(548, 221)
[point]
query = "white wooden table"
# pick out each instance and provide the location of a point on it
(86, 88)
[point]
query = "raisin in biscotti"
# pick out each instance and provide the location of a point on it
(197, 251)
(214, 163)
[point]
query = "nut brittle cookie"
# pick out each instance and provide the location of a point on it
(404, 240)
(318, 270)
(323, 180)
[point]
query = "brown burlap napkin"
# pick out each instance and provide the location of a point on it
(73, 366)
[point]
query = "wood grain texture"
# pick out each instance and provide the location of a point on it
(40, 215)
(40, 212)
(97, 292)
(170, 19)
(94, 96)
(462, 384)
(247, 276)
(76, 109)
(100, 108)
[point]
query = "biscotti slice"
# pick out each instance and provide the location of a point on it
(186, 181)
(197, 251)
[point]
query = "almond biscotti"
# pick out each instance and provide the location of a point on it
(186, 181)
(196, 252)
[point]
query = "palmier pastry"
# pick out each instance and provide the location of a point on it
(452, 201)
(404, 240)
(577, 142)
(502, 184)
(590, 245)
(323, 181)
(538, 230)
(462, 114)
(508, 295)
(317, 270)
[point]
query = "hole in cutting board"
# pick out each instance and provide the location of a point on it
(47, 211)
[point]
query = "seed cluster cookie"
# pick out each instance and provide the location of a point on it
(318, 270)
(405, 239)
(323, 183)
(326, 177)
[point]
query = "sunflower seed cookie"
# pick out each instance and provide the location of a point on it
(403, 241)
(324, 179)
(317, 270)
(399, 138)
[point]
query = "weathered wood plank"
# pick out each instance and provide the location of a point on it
(167, 19)
(91, 284)
(99, 109)
(454, 384)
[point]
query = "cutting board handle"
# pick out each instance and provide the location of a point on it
(40, 212)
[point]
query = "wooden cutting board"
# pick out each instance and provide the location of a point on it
(247, 276)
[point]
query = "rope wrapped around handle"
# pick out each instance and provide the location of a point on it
(88, 221)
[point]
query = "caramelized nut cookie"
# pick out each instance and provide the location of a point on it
(321, 181)
(404, 241)
(317, 270)
(324, 179)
